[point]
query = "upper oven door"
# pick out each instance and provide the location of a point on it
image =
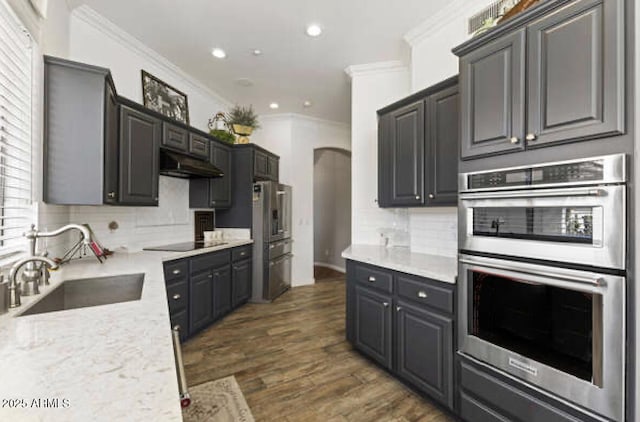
(581, 225)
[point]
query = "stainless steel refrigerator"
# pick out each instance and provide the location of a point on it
(271, 240)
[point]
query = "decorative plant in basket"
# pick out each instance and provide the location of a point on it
(243, 121)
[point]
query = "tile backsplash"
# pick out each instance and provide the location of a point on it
(434, 231)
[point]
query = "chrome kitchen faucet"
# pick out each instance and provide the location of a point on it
(32, 275)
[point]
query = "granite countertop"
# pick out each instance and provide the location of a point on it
(440, 268)
(111, 362)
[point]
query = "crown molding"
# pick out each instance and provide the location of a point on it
(376, 68)
(301, 117)
(95, 20)
(439, 20)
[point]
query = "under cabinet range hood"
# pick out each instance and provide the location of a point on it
(179, 165)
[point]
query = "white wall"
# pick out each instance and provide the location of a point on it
(331, 206)
(297, 137)
(372, 87)
(93, 39)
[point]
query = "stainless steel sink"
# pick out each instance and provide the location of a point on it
(82, 293)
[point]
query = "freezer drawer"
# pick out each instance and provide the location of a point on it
(279, 276)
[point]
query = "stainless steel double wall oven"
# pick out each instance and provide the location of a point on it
(542, 277)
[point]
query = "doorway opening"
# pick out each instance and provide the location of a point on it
(331, 211)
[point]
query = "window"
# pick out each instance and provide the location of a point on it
(16, 85)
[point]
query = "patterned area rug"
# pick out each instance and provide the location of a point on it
(218, 401)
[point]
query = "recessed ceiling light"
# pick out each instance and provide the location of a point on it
(218, 53)
(257, 52)
(307, 104)
(314, 30)
(274, 106)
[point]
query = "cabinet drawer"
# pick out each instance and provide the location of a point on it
(174, 270)
(199, 146)
(178, 296)
(473, 411)
(507, 400)
(174, 137)
(421, 291)
(208, 261)
(242, 252)
(181, 320)
(376, 278)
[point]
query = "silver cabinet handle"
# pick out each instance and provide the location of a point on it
(176, 272)
(210, 275)
(216, 274)
(177, 327)
(398, 308)
(372, 279)
(431, 196)
(531, 137)
(176, 296)
(422, 294)
(111, 195)
(156, 198)
(514, 140)
(385, 304)
(242, 253)
(418, 197)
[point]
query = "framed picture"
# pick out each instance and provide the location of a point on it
(164, 99)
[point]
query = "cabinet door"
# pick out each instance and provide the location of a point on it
(260, 165)
(241, 282)
(111, 145)
(220, 195)
(492, 83)
(384, 161)
(424, 351)
(174, 137)
(139, 157)
(406, 149)
(201, 301)
(576, 73)
(443, 141)
(199, 146)
(272, 166)
(373, 325)
(222, 293)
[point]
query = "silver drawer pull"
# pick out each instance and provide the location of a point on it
(176, 296)
(177, 271)
(385, 304)
(372, 279)
(242, 253)
(422, 294)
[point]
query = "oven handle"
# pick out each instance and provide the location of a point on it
(535, 193)
(551, 278)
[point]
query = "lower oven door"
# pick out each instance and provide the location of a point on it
(582, 225)
(558, 329)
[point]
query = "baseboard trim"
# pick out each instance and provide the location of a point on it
(331, 266)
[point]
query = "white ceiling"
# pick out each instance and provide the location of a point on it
(293, 67)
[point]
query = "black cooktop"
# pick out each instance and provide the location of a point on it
(186, 246)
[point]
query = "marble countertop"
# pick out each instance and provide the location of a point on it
(111, 362)
(440, 268)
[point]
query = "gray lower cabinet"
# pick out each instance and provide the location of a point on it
(201, 293)
(555, 76)
(425, 351)
(486, 396)
(205, 288)
(373, 325)
(241, 282)
(139, 157)
(222, 291)
(405, 323)
(418, 141)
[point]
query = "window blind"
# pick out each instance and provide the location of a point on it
(16, 84)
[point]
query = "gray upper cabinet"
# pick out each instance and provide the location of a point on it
(554, 75)
(576, 73)
(139, 157)
(492, 85)
(199, 146)
(443, 140)
(406, 155)
(214, 192)
(418, 141)
(260, 165)
(111, 146)
(174, 137)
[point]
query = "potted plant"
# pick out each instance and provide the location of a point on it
(219, 128)
(243, 121)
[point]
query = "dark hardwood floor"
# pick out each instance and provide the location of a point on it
(293, 363)
(321, 273)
